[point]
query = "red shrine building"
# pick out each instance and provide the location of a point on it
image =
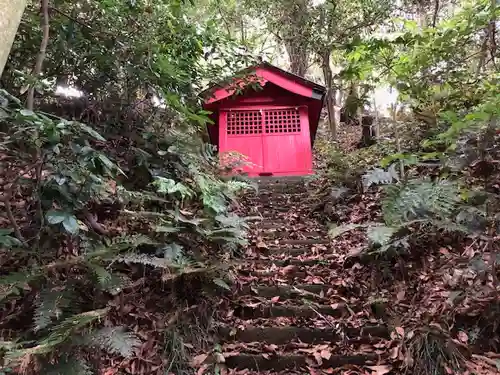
(269, 116)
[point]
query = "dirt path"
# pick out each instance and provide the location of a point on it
(291, 313)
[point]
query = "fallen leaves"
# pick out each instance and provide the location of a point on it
(325, 354)
(462, 336)
(198, 360)
(400, 331)
(380, 369)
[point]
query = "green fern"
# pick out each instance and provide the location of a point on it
(156, 262)
(18, 278)
(378, 176)
(116, 246)
(50, 304)
(13, 283)
(418, 200)
(103, 276)
(415, 203)
(68, 327)
(381, 235)
(107, 281)
(171, 187)
(115, 340)
(338, 230)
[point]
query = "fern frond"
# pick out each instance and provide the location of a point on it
(418, 200)
(378, 176)
(144, 259)
(65, 329)
(107, 281)
(381, 235)
(18, 278)
(103, 275)
(50, 304)
(115, 340)
(13, 283)
(118, 245)
(232, 220)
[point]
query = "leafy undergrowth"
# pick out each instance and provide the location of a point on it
(110, 251)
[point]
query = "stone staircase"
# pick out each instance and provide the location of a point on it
(292, 314)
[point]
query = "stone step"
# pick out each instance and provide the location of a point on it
(285, 251)
(308, 241)
(280, 179)
(283, 335)
(269, 196)
(269, 362)
(282, 190)
(292, 274)
(285, 234)
(326, 260)
(305, 291)
(273, 210)
(266, 311)
(275, 224)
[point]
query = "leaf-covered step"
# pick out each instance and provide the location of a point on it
(276, 362)
(307, 241)
(287, 233)
(285, 262)
(272, 210)
(273, 224)
(282, 335)
(306, 291)
(298, 192)
(337, 310)
(267, 196)
(285, 251)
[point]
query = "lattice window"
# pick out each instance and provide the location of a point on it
(282, 121)
(244, 122)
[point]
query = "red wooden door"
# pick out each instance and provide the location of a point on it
(241, 132)
(275, 140)
(286, 142)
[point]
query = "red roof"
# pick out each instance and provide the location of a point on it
(312, 93)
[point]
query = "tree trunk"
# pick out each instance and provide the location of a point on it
(299, 57)
(436, 13)
(330, 94)
(11, 12)
(294, 33)
(421, 14)
(492, 32)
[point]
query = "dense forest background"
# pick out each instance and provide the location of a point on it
(117, 220)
